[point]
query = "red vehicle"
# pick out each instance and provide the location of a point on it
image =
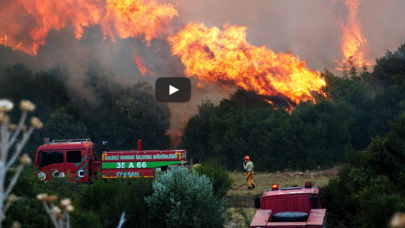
(295, 207)
(78, 158)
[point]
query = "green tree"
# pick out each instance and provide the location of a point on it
(45, 88)
(137, 115)
(389, 65)
(63, 125)
(196, 137)
(369, 190)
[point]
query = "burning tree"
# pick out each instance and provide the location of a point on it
(8, 137)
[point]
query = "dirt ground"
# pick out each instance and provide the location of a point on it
(241, 201)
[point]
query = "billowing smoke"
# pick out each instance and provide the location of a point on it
(129, 37)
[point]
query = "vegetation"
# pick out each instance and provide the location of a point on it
(97, 205)
(177, 198)
(106, 200)
(219, 176)
(29, 211)
(358, 108)
(16, 136)
(98, 109)
(370, 189)
(183, 199)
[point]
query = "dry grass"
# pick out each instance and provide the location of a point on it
(241, 201)
(287, 178)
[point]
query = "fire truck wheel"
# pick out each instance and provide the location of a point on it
(290, 217)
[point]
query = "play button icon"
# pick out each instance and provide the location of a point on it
(173, 89)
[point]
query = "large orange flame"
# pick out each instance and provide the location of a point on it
(354, 44)
(219, 56)
(117, 18)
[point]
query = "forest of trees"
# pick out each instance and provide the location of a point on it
(359, 107)
(106, 110)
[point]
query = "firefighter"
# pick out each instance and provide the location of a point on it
(248, 166)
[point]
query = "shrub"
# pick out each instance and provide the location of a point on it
(86, 219)
(29, 211)
(109, 198)
(219, 176)
(183, 199)
(97, 205)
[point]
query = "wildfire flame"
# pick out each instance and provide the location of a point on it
(200, 85)
(211, 54)
(5, 40)
(117, 18)
(269, 101)
(224, 56)
(354, 44)
(140, 63)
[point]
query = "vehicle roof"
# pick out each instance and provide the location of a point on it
(292, 190)
(140, 151)
(66, 146)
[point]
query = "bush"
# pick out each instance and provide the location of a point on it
(109, 198)
(97, 205)
(370, 189)
(183, 199)
(28, 210)
(86, 219)
(219, 176)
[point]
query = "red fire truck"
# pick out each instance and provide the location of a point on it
(77, 157)
(295, 207)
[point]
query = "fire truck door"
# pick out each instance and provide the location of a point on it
(50, 163)
(76, 165)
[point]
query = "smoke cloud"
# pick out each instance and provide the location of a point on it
(309, 29)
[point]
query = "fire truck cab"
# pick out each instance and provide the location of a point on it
(295, 207)
(59, 157)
